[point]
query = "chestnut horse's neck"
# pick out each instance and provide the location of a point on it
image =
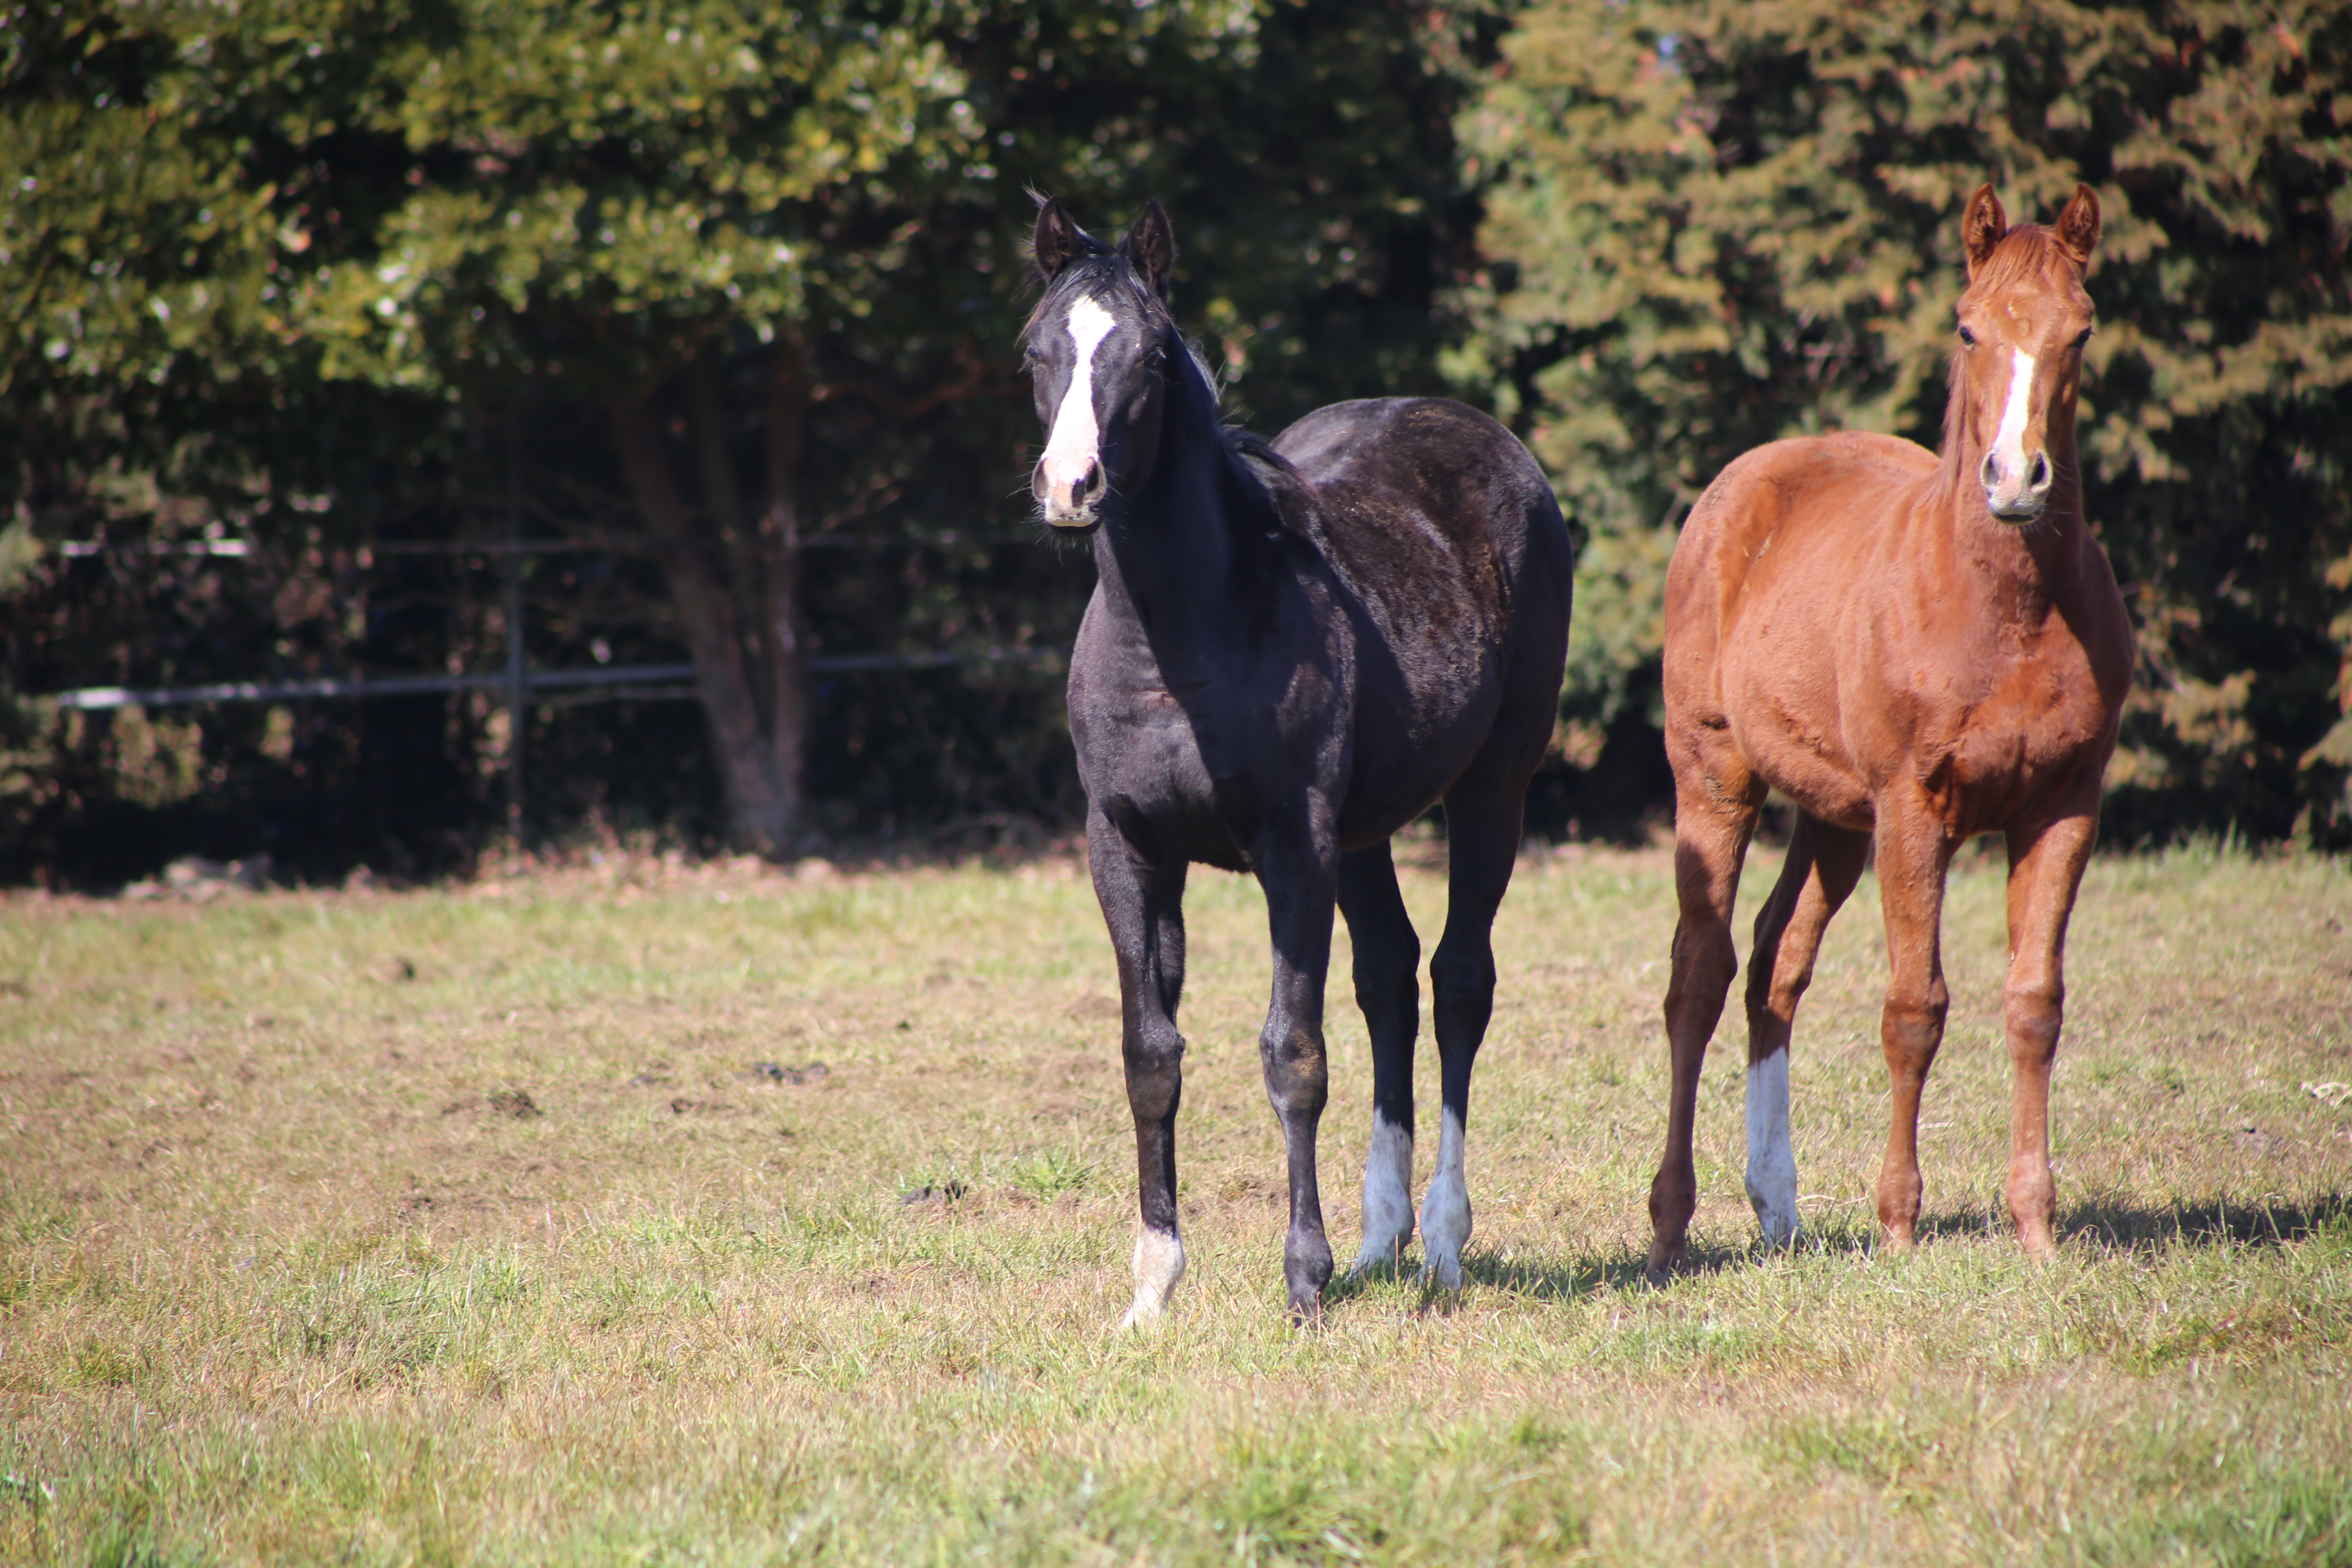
(2023, 565)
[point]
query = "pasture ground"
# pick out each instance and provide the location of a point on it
(457, 1227)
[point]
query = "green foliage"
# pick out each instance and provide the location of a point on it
(669, 172)
(1713, 225)
(332, 273)
(1054, 1172)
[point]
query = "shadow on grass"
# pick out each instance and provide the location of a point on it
(2206, 1221)
(2125, 1223)
(2098, 1222)
(1536, 1279)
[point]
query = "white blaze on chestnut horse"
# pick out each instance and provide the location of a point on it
(1914, 649)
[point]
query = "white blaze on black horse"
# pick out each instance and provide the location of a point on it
(1294, 648)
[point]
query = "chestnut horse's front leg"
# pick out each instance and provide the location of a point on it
(2045, 869)
(1913, 853)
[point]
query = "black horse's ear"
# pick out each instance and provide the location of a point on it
(2077, 229)
(1152, 245)
(1056, 239)
(1981, 227)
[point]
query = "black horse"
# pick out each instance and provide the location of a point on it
(1294, 648)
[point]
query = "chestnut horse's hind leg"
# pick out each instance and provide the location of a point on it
(1144, 907)
(1387, 990)
(2045, 867)
(1299, 871)
(1912, 854)
(1711, 829)
(1823, 864)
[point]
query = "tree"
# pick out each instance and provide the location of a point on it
(724, 280)
(1711, 225)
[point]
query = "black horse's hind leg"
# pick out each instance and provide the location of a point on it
(1144, 907)
(1482, 830)
(1387, 989)
(1299, 872)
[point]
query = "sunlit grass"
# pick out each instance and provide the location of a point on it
(285, 1278)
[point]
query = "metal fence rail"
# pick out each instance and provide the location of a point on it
(516, 684)
(103, 697)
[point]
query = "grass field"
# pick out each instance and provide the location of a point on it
(459, 1227)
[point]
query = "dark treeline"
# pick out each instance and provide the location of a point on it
(715, 305)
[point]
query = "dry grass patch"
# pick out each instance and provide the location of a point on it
(715, 1216)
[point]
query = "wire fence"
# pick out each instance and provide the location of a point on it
(517, 685)
(641, 680)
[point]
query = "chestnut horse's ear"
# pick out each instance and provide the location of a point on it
(2077, 229)
(1056, 238)
(1981, 227)
(1151, 247)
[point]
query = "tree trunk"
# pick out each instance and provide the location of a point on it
(734, 581)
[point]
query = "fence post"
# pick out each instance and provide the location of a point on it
(517, 681)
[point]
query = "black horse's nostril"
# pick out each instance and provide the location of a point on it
(1091, 487)
(2037, 473)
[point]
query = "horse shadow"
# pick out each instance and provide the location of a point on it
(2105, 1223)
(1573, 1277)
(2204, 1222)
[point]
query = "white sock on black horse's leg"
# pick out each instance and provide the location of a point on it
(1159, 1264)
(1388, 1194)
(1445, 1211)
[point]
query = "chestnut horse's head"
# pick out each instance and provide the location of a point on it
(2023, 323)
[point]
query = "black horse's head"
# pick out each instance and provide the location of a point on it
(1101, 345)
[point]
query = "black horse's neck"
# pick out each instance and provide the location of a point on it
(1170, 552)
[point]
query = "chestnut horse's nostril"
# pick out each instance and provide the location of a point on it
(2037, 473)
(1987, 475)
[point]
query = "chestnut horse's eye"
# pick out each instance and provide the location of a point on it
(2082, 337)
(1967, 337)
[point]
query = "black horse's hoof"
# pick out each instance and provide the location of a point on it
(1306, 1268)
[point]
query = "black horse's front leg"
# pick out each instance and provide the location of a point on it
(1300, 876)
(1143, 905)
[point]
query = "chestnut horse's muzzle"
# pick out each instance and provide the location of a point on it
(2016, 497)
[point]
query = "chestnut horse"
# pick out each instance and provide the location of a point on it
(1914, 649)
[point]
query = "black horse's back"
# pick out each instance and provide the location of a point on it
(1446, 530)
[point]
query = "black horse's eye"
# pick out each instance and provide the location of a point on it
(1967, 337)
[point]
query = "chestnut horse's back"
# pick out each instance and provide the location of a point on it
(1757, 596)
